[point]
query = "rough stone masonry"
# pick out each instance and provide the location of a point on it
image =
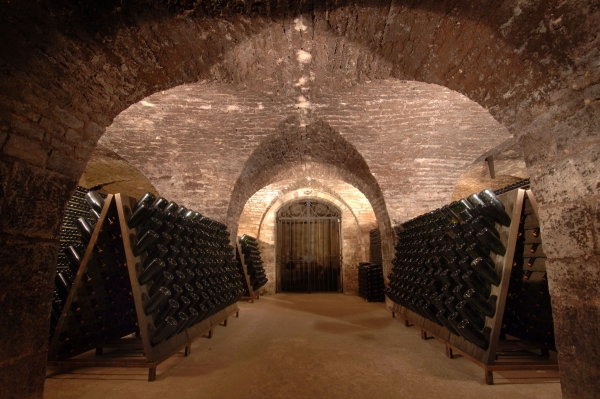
(68, 68)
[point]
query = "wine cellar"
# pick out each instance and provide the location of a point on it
(337, 199)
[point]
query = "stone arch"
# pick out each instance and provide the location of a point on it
(68, 69)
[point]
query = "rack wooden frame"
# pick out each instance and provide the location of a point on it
(487, 359)
(252, 294)
(121, 206)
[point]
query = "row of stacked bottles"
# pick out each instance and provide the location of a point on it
(188, 265)
(188, 268)
(82, 212)
(370, 282)
(253, 262)
(528, 311)
(444, 267)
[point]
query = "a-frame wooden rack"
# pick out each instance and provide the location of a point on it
(501, 355)
(105, 306)
(251, 294)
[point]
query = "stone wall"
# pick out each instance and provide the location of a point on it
(68, 68)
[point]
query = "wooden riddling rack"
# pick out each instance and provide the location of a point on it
(515, 332)
(251, 267)
(370, 282)
(105, 305)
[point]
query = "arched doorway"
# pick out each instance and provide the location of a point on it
(308, 247)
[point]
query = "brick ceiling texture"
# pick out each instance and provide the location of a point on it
(403, 144)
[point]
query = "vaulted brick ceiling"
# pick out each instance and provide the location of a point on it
(406, 143)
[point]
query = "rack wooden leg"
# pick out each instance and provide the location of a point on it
(449, 352)
(393, 315)
(188, 350)
(224, 323)
(407, 323)
(210, 333)
(237, 314)
(489, 377)
(424, 335)
(152, 373)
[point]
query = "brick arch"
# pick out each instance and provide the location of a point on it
(315, 150)
(69, 68)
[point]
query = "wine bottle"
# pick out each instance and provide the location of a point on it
(454, 319)
(450, 304)
(176, 291)
(491, 242)
(441, 316)
(495, 207)
(467, 330)
(425, 307)
(84, 229)
(458, 292)
(486, 271)
(94, 214)
(142, 213)
(147, 199)
(94, 200)
(74, 258)
(171, 207)
(158, 252)
(487, 308)
(466, 312)
(173, 252)
(153, 224)
(480, 223)
(182, 319)
(146, 241)
(169, 309)
(164, 278)
(471, 279)
(184, 253)
(188, 288)
(181, 264)
(155, 266)
(194, 299)
(184, 303)
(203, 312)
(193, 317)
(63, 286)
(156, 300)
(160, 204)
(457, 276)
(166, 227)
(165, 328)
